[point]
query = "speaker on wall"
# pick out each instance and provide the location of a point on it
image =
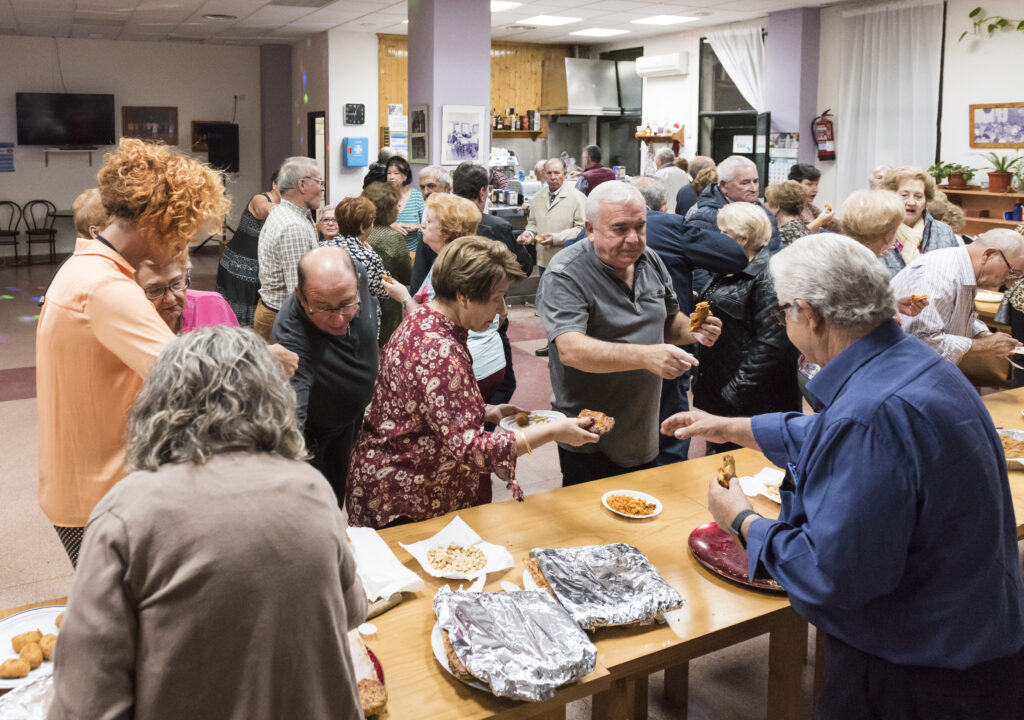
(222, 146)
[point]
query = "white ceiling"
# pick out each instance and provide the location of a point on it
(276, 21)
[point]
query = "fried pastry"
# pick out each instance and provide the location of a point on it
(47, 645)
(32, 654)
(372, 696)
(19, 641)
(602, 423)
(917, 298)
(522, 419)
(533, 567)
(1012, 447)
(59, 620)
(15, 668)
(727, 472)
(458, 669)
(700, 313)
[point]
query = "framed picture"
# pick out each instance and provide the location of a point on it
(155, 124)
(419, 137)
(461, 127)
(997, 126)
(200, 128)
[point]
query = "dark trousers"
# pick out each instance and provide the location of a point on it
(859, 686)
(673, 400)
(508, 383)
(331, 451)
(579, 468)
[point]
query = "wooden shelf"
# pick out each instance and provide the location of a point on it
(975, 191)
(971, 200)
(532, 134)
(655, 138)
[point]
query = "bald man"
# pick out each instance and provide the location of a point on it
(331, 321)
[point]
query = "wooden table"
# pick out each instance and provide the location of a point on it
(987, 314)
(1005, 408)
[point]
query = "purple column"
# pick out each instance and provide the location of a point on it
(791, 74)
(450, 64)
(275, 108)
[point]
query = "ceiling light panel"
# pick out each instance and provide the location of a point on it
(664, 20)
(599, 32)
(503, 5)
(548, 20)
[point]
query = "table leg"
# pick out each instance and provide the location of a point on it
(613, 703)
(787, 647)
(638, 687)
(677, 688)
(557, 714)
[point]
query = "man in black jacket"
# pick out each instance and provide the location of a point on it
(682, 248)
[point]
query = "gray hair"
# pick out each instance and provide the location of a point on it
(212, 391)
(385, 154)
(557, 160)
(700, 162)
(438, 172)
(880, 168)
(610, 192)
(838, 277)
(728, 167)
(294, 169)
(1003, 239)
(665, 155)
(652, 190)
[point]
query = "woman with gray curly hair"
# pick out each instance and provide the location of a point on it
(223, 555)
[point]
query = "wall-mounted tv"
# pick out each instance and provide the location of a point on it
(57, 119)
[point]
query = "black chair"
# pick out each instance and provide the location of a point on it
(10, 218)
(40, 216)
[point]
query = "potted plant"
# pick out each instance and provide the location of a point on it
(1002, 170)
(960, 175)
(940, 171)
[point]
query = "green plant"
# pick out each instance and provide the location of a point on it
(1001, 163)
(965, 170)
(941, 170)
(990, 23)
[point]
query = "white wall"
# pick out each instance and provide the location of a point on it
(828, 98)
(352, 72)
(200, 80)
(310, 93)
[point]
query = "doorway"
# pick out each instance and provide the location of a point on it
(316, 146)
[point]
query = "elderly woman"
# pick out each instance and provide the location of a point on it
(90, 217)
(410, 204)
(920, 232)
(816, 220)
(752, 367)
(900, 457)
(877, 177)
(167, 286)
(389, 244)
(98, 335)
(786, 200)
(222, 555)
(423, 449)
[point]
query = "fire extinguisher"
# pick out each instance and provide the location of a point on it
(824, 136)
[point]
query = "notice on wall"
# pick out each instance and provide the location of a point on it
(6, 157)
(742, 144)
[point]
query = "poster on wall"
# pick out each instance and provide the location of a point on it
(461, 126)
(419, 139)
(997, 126)
(153, 124)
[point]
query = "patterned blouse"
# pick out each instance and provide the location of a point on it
(368, 257)
(423, 447)
(790, 231)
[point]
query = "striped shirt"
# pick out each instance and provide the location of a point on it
(287, 235)
(949, 321)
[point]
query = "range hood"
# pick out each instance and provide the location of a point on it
(604, 88)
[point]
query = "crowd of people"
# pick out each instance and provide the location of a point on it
(358, 359)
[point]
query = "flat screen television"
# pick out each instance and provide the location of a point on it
(58, 119)
(222, 146)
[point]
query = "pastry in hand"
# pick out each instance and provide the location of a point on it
(917, 298)
(700, 313)
(727, 472)
(602, 423)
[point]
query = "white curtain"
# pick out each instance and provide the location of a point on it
(741, 53)
(889, 93)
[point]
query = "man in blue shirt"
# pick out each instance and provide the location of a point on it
(897, 535)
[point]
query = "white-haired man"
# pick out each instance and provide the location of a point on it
(950, 278)
(434, 178)
(613, 325)
(900, 458)
(675, 179)
(737, 182)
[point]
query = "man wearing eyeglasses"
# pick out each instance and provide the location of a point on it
(951, 277)
(287, 235)
(330, 323)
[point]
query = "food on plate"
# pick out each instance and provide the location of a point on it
(631, 505)
(1012, 447)
(456, 558)
(59, 620)
(15, 668)
(533, 567)
(47, 645)
(727, 472)
(458, 669)
(32, 654)
(917, 298)
(522, 419)
(19, 641)
(700, 313)
(602, 423)
(372, 696)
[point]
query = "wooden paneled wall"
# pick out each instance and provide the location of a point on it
(392, 74)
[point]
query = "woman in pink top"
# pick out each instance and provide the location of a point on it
(183, 309)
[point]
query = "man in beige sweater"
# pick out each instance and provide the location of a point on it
(556, 214)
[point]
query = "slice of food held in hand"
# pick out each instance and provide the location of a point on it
(602, 424)
(700, 313)
(917, 298)
(727, 472)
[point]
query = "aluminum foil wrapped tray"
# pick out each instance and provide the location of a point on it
(605, 585)
(522, 644)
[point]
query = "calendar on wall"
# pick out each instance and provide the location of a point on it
(782, 153)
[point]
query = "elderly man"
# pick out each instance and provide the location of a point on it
(594, 173)
(328, 321)
(686, 198)
(897, 536)
(674, 178)
(434, 178)
(287, 235)
(950, 278)
(737, 182)
(556, 215)
(614, 324)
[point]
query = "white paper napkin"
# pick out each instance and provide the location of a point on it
(378, 568)
(458, 532)
(757, 485)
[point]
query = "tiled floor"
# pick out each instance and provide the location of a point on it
(726, 685)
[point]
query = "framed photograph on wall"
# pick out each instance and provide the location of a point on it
(997, 126)
(461, 128)
(200, 129)
(154, 124)
(419, 137)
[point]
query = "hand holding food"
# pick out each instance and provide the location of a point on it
(727, 471)
(700, 313)
(912, 305)
(574, 431)
(602, 424)
(667, 361)
(709, 332)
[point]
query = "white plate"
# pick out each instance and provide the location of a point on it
(41, 619)
(989, 296)
(1013, 463)
(509, 422)
(637, 494)
(437, 645)
(458, 532)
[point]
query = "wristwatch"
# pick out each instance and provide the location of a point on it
(736, 527)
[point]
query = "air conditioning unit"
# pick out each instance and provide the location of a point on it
(663, 65)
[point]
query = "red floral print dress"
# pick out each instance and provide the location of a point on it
(423, 447)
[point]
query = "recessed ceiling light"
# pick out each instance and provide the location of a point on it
(599, 32)
(503, 5)
(520, 27)
(663, 20)
(220, 16)
(549, 20)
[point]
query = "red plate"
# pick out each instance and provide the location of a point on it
(376, 666)
(716, 550)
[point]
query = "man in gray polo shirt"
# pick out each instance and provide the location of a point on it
(613, 323)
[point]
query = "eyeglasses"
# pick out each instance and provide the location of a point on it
(351, 307)
(1013, 273)
(156, 293)
(326, 220)
(779, 313)
(323, 184)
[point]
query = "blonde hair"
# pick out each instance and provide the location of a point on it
(455, 216)
(707, 176)
(897, 176)
(385, 198)
(89, 212)
(871, 216)
(746, 222)
(168, 197)
(788, 196)
(473, 267)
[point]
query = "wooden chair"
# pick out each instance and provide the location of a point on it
(10, 218)
(40, 216)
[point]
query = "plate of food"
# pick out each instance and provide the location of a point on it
(27, 640)
(526, 419)
(631, 504)
(446, 658)
(458, 553)
(716, 550)
(1013, 447)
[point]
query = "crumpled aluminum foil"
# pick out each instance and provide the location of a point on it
(30, 701)
(522, 644)
(604, 585)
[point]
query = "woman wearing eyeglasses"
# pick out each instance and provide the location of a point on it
(184, 310)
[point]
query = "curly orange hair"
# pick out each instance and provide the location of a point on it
(167, 196)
